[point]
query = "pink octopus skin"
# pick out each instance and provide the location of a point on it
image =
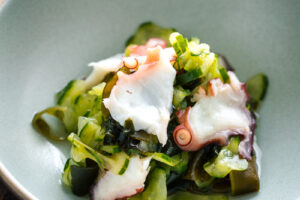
(221, 137)
(137, 192)
(141, 50)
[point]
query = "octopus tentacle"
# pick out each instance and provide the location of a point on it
(215, 117)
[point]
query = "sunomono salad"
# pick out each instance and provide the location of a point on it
(167, 119)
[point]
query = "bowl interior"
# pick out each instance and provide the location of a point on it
(44, 44)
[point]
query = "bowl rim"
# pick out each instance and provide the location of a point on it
(16, 187)
(6, 176)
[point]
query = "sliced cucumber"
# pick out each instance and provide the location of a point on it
(84, 103)
(90, 132)
(70, 119)
(112, 149)
(97, 90)
(257, 86)
(96, 110)
(117, 163)
(157, 187)
(183, 164)
(82, 122)
(89, 104)
(80, 151)
(227, 160)
(67, 95)
(66, 176)
(163, 158)
(149, 30)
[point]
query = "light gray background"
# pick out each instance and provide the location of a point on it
(44, 44)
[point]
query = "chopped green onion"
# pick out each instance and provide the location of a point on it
(179, 43)
(189, 76)
(224, 74)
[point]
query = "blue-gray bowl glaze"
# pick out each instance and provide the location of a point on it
(44, 44)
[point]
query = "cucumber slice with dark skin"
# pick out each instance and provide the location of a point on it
(124, 166)
(227, 160)
(61, 94)
(84, 103)
(68, 94)
(149, 30)
(66, 175)
(257, 88)
(117, 163)
(90, 134)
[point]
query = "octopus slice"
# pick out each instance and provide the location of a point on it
(102, 68)
(137, 56)
(217, 114)
(145, 96)
(141, 50)
(112, 186)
